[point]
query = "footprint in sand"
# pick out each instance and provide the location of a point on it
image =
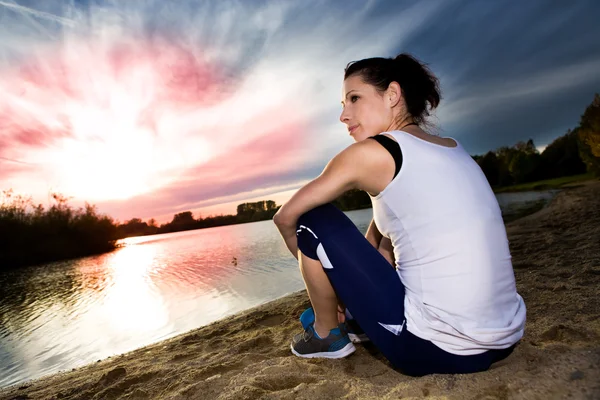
(257, 344)
(562, 333)
(112, 376)
(271, 320)
(277, 382)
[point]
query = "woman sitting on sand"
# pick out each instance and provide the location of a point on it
(449, 303)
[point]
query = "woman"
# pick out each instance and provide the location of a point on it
(448, 303)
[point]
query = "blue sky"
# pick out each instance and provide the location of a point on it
(163, 107)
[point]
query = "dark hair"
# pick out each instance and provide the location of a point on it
(419, 85)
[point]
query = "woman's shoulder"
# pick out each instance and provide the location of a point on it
(365, 151)
(366, 158)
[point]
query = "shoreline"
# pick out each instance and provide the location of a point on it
(117, 243)
(557, 267)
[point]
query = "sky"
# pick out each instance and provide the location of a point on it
(150, 108)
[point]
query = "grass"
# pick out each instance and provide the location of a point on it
(546, 184)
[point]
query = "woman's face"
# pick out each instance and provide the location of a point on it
(366, 112)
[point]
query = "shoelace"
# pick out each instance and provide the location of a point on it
(309, 333)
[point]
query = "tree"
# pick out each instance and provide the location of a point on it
(526, 147)
(588, 135)
(183, 218)
(271, 205)
(561, 157)
(257, 211)
(523, 166)
(490, 165)
(30, 235)
(505, 155)
(353, 200)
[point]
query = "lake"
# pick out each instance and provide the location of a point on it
(61, 315)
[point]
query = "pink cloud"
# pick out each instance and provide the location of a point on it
(10, 167)
(274, 158)
(147, 107)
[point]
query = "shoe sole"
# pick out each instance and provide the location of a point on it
(341, 353)
(362, 338)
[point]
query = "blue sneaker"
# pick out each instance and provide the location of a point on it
(309, 345)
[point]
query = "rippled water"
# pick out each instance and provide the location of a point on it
(61, 315)
(65, 314)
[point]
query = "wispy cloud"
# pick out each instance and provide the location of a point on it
(27, 11)
(487, 97)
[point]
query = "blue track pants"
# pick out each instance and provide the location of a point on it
(371, 289)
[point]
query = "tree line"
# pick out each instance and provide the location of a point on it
(576, 152)
(184, 221)
(30, 234)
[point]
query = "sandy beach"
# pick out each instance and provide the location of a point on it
(556, 258)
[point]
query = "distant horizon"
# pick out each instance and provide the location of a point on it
(161, 108)
(230, 207)
(280, 198)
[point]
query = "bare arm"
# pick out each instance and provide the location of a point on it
(387, 250)
(373, 235)
(383, 244)
(341, 174)
(353, 168)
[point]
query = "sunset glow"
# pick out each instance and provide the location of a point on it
(99, 122)
(108, 123)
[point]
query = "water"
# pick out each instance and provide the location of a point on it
(62, 315)
(66, 314)
(514, 203)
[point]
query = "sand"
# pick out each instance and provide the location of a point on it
(556, 257)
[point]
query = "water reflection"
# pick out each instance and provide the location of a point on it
(62, 315)
(130, 304)
(517, 199)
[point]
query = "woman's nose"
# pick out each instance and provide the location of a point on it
(344, 116)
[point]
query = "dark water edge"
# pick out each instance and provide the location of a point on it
(525, 210)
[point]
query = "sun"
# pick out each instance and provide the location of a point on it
(110, 155)
(112, 123)
(113, 156)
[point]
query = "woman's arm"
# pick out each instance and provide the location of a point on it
(387, 250)
(373, 235)
(383, 244)
(348, 170)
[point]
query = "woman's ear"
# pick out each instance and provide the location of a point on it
(393, 93)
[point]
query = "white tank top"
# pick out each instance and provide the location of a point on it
(451, 249)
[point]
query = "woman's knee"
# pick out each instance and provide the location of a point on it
(316, 216)
(325, 218)
(322, 223)
(308, 241)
